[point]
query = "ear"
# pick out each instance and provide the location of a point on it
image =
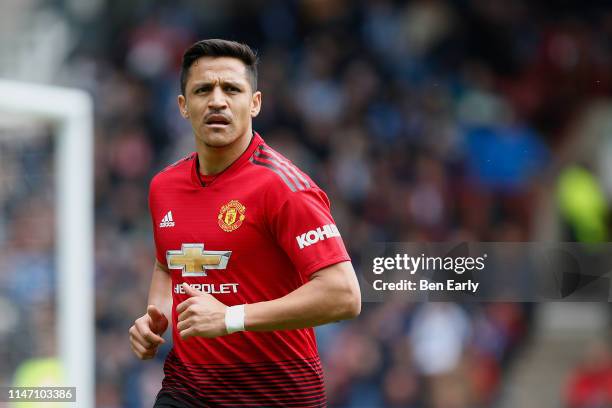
(182, 104)
(256, 104)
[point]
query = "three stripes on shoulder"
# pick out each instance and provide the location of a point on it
(290, 174)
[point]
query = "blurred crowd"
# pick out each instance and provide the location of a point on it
(423, 121)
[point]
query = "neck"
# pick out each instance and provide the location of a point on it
(213, 160)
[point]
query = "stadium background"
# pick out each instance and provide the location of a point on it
(423, 121)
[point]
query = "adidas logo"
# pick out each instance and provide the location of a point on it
(167, 221)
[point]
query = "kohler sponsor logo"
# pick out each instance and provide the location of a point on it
(316, 235)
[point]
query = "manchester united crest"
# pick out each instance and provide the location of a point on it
(231, 216)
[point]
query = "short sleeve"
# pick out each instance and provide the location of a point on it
(159, 253)
(304, 228)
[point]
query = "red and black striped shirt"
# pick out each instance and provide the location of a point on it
(255, 232)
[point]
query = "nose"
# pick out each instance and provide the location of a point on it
(217, 99)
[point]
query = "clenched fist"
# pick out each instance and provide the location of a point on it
(145, 334)
(201, 315)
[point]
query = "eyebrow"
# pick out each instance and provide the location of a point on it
(231, 82)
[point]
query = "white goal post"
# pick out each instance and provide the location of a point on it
(71, 113)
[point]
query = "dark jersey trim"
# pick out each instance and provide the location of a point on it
(277, 171)
(291, 175)
(290, 383)
(263, 155)
(291, 168)
(179, 161)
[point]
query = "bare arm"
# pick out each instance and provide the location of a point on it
(160, 292)
(332, 294)
(145, 334)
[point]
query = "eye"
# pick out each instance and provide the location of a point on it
(202, 89)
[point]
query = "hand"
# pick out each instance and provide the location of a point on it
(201, 315)
(145, 334)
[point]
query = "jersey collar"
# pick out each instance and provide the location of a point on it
(256, 140)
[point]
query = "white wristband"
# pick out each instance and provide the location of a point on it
(234, 319)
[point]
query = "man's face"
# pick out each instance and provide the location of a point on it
(219, 101)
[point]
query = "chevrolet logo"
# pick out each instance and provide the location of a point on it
(193, 260)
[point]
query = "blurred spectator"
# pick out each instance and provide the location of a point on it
(439, 334)
(590, 384)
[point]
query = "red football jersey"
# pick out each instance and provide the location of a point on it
(254, 232)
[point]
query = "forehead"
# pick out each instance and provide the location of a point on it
(218, 68)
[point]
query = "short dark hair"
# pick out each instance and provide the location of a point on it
(216, 47)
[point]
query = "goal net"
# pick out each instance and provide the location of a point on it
(46, 239)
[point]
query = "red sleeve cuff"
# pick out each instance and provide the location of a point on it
(312, 268)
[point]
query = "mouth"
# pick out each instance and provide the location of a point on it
(217, 120)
